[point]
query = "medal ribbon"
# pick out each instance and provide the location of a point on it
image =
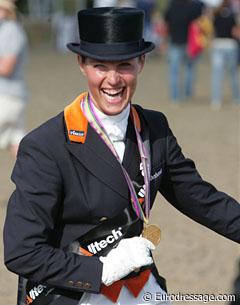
(88, 110)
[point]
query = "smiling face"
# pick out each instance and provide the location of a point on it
(111, 84)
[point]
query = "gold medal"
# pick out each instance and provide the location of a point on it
(152, 233)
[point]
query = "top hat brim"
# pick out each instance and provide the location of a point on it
(110, 52)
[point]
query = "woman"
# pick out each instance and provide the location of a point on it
(76, 226)
(178, 17)
(224, 54)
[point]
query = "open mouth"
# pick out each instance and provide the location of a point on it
(113, 93)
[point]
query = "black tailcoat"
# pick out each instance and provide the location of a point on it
(63, 189)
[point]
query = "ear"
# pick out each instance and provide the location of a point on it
(81, 64)
(141, 62)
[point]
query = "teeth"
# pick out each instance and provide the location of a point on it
(112, 92)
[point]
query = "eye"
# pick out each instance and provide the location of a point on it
(125, 65)
(100, 66)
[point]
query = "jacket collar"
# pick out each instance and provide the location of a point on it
(76, 123)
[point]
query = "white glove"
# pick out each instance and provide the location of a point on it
(131, 253)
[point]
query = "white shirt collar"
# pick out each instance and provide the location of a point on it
(115, 125)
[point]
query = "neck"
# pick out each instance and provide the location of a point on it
(120, 118)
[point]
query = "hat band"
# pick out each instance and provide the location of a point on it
(118, 48)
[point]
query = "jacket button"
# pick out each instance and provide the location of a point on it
(79, 284)
(70, 283)
(87, 285)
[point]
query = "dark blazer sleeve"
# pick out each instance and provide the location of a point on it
(32, 217)
(184, 188)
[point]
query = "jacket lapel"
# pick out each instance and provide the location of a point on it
(100, 161)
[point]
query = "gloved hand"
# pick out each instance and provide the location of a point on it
(131, 253)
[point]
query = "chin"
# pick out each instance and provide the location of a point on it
(114, 110)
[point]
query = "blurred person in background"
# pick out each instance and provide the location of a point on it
(116, 3)
(64, 25)
(127, 3)
(224, 53)
(148, 6)
(39, 8)
(178, 17)
(236, 10)
(235, 6)
(13, 92)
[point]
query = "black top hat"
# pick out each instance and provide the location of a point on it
(111, 34)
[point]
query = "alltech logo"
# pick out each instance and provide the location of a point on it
(34, 293)
(97, 246)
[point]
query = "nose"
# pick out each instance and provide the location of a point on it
(113, 77)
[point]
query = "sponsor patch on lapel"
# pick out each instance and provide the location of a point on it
(77, 133)
(156, 175)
